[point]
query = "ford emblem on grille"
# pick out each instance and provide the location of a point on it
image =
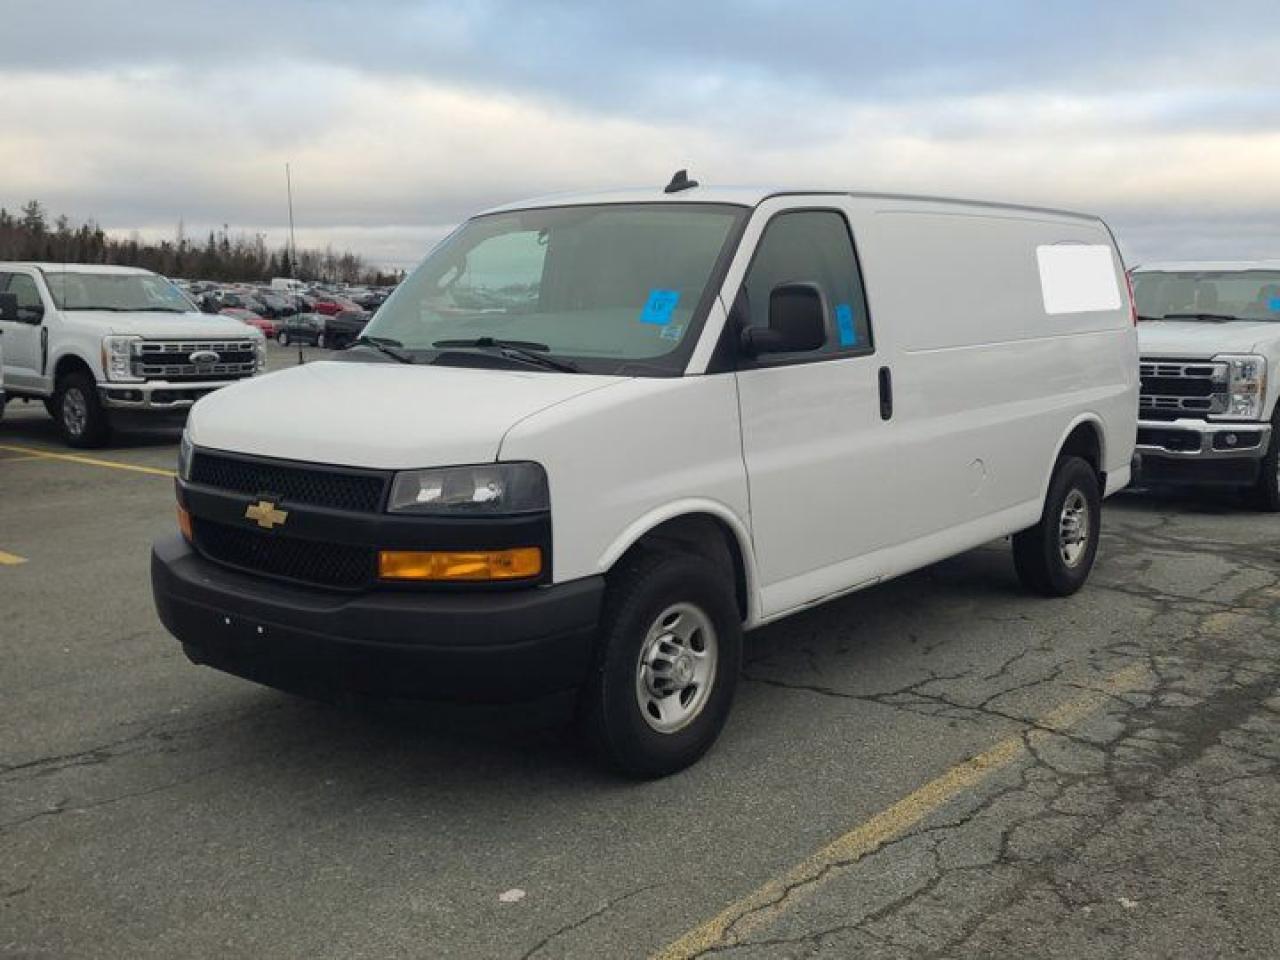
(204, 356)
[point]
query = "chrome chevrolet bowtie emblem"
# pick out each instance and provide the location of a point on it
(265, 514)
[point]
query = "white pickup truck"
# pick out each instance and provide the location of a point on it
(1209, 340)
(100, 344)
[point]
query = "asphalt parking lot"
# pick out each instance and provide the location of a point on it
(942, 766)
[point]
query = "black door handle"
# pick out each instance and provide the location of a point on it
(886, 393)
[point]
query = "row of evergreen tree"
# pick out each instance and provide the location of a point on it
(29, 235)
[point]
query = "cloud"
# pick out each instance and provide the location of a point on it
(400, 118)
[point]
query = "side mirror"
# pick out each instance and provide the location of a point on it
(9, 307)
(797, 322)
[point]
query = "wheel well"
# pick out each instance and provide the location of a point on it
(709, 537)
(1085, 442)
(69, 364)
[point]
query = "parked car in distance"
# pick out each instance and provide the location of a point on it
(682, 414)
(266, 326)
(100, 345)
(332, 304)
(1209, 340)
(303, 328)
(343, 328)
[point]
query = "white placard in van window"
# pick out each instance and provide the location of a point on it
(1078, 278)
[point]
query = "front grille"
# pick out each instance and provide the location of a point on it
(1182, 388)
(333, 565)
(357, 491)
(171, 360)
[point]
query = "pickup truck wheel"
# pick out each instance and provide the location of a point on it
(282, 338)
(81, 417)
(670, 648)
(1266, 492)
(1055, 556)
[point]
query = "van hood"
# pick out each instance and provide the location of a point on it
(1196, 340)
(160, 326)
(383, 415)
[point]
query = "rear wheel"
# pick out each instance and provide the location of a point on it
(1266, 492)
(1055, 556)
(668, 661)
(81, 417)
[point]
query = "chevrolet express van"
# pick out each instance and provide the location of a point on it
(593, 439)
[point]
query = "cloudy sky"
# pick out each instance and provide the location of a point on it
(401, 117)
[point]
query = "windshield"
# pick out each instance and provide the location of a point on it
(116, 291)
(617, 288)
(1242, 294)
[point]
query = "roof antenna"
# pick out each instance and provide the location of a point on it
(680, 181)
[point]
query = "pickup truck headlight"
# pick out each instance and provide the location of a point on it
(260, 351)
(482, 490)
(117, 358)
(1246, 386)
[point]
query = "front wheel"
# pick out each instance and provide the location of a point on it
(1266, 492)
(1055, 556)
(81, 417)
(667, 665)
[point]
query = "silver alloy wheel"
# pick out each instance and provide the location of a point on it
(1073, 528)
(283, 338)
(75, 411)
(677, 668)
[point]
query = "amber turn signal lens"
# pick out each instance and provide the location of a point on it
(460, 565)
(184, 523)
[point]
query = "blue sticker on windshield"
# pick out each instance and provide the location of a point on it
(1274, 304)
(659, 307)
(844, 325)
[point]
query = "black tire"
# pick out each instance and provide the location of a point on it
(611, 717)
(1038, 553)
(282, 338)
(1265, 494)
(51, 406)
(79, 413)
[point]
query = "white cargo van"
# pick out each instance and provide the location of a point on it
(593, 439)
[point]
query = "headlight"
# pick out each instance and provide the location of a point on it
(117, 357)
(1246, 386)
(491, 488)
(260, 350)
(185, 451)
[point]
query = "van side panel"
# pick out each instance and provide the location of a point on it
(986, 383)
(633, 450)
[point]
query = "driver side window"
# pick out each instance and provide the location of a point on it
(25, 291)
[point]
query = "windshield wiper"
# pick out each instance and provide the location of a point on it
(525, 350)
(1207, 317)
(384, 345)
(157, 310)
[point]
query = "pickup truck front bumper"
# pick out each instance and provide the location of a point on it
(158, 395)
(1201, 452)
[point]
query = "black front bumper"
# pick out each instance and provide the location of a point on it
(491, 646)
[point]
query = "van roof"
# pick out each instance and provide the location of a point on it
(1206, 266)
(75, 267)
(748, 197)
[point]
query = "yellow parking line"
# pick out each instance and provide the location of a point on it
(87, 461)
(11, 559)
(765, 904)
